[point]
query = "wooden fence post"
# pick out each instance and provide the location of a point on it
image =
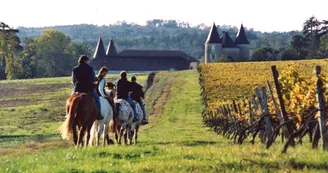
(239, 109)
(251, 119)
(268, 127)
(281, 118)
(322, 112)
(230, 115)
(280, 99)
(254, 103)
(265, 112)
(234, 106)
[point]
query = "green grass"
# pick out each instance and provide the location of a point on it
(175, 141)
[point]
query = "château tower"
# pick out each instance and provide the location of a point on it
(100, 49)
(242, 42)
(224, 46)
(213, 45)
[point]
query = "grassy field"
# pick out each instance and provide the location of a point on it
(175, 140)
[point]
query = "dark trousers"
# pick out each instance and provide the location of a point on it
(133, 105)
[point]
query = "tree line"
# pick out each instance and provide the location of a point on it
(51, 54)
(53, 51)
(161, 34)
(311, 43)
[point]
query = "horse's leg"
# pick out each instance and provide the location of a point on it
(125, 136)
(88, 134)
(108, 139)
(100, 130)
(130, 135)
(92, 135)
(81, 134)
(121, 131)
(136, 135)
(105, 132)
(74, 135)
(78, 136)
(116, 131)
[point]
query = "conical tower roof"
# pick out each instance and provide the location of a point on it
(111, 50)
(241, 36)
(100, 49)
(213, 36)
(227, 41)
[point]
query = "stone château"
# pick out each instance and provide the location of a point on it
(224, 46)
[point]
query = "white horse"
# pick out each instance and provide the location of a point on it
(125, 122)
(101, 126)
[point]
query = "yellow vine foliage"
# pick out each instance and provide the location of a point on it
(224, 82)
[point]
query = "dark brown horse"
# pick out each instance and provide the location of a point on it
(81, 111)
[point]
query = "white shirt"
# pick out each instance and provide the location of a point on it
(101, 88)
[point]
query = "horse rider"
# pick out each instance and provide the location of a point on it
(137, 95)
(100, 87)
(83, 78)
(123, 88)
(111, 91)
(101, 81)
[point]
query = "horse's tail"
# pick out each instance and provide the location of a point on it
(67, 127)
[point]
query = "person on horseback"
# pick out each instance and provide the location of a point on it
(123, 88)
(83, 78)
(138, 95)
(111, 91)
(100, 87)
(101, 82)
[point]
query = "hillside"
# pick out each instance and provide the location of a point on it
(159, 34)
(175, 140)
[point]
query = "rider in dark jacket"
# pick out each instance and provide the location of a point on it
(123, 87)
(83, 78)
(137, 95)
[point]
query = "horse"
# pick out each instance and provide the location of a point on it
(124, 124)
(101, 126)
(135, 125)
(81, 111)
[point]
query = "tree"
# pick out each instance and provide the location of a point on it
(290, 54)
(311, 27)
(9, 48)
(323, 47)
(273, 54)
(311, 30)
(29, 58)
(260, 54)
(53, 52)
(324, 28)
(300, 44)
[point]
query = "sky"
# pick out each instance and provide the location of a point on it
(262, 15)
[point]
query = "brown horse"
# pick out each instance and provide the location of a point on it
(81, 110)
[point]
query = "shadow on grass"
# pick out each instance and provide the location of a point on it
(274, 165)
(182, 143)
(12, 140)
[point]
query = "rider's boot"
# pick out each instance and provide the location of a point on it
(100, 117)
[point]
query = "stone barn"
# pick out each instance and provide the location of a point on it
(133, 60)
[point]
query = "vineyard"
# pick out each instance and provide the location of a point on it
(266, 100)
